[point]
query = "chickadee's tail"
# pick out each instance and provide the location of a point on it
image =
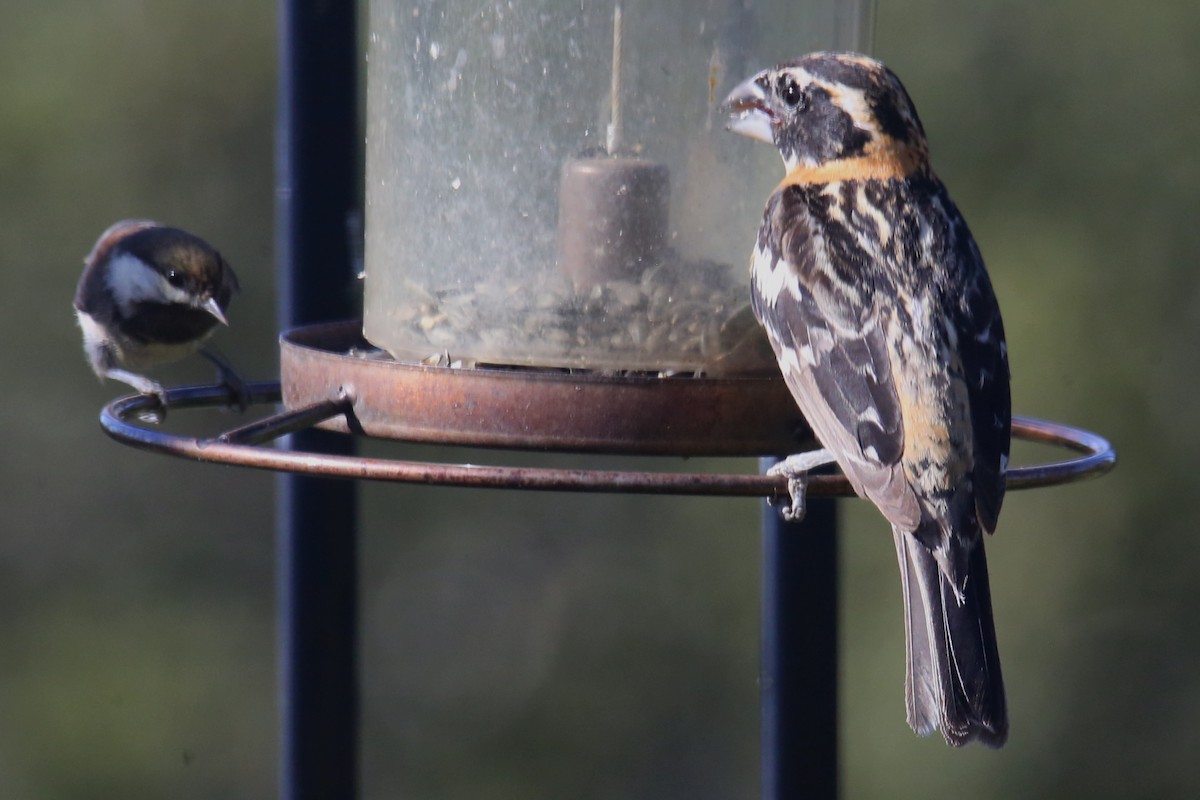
(953, 679)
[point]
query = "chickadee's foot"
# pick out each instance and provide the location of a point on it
(796, 468)
(145, 386)
(239, 392)
(157, 415)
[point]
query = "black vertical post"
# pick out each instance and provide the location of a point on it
(318, 187)
(799, 654)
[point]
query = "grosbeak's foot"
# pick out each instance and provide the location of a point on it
(239, 393)
(796, 468)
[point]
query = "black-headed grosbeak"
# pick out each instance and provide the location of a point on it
(875, 299)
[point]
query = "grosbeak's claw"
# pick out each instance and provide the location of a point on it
(797, 486)
(796, 468)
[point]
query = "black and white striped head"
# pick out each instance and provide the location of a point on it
(826, 107)
(142, 263)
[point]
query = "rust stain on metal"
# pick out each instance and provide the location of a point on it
(536, 409)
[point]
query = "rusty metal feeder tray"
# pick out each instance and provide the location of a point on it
(540, 409)
(325, 385)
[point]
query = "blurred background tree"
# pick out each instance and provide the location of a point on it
(520, 645)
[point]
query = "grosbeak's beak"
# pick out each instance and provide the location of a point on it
(749, 113)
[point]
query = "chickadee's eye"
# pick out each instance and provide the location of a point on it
(175, 278)
(790, 92)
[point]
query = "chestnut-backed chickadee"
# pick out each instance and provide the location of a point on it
(150, 295)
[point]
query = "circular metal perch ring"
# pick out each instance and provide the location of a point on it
(249, 446)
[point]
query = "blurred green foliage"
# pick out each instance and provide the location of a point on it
(522, 646)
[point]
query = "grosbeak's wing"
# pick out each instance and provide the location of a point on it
(825, 301)
(985, 364)
(832, 349)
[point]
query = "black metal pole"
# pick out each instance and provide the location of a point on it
(799, 654)
(318, 188)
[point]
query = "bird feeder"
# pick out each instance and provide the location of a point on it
(558, 227)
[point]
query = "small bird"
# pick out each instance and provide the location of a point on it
(150, 295)
(875, 300)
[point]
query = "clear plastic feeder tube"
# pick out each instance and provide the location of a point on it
(550, 184)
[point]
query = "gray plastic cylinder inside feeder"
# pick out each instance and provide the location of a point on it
(612, 218)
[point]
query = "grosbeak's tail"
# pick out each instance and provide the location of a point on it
(953, 677)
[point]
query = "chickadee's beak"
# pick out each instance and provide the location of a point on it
(749, 112)
(210, 305)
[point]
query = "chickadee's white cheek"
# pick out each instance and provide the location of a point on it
(132, 281)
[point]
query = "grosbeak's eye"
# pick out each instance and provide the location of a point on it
(791, 92)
